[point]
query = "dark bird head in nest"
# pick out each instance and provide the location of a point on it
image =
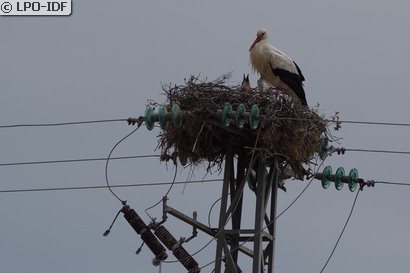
(246, 85)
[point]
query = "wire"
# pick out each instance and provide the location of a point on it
(304, 189)
(392, 183)
(354, 122)
(75, 160)
(341, 234)
(108, 160)
(210, 211)
(122, 120)
(147, 156)
(61, 123)
(113, 186)
(378, 151)
(294, 201)
(370, 123)
(166, 194)
(145, 185)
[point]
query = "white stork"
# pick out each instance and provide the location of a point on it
(276, 67)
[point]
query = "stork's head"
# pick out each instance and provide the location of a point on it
(261, 35)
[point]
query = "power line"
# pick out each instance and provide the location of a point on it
(112, 186)
(392, 183)
(62, 123)
(148, 185)
(166, 195)
(108, 160)
(354, 122)
(371, 123)
(296, 199)
(343, 150)
(122, 120)
(378, 151)
(341, 234)
(300, 194)
(75, 160)
(148, 156)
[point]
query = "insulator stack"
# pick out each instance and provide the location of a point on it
(339, 178)
(146, 235)
(240, 116)
(179, 251)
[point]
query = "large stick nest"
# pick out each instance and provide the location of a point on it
(288, 133)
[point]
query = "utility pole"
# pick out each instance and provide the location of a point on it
(230, 242)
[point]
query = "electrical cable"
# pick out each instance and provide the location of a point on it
(166, 194)
(75, 160)
(304, 189)
(108, 160)
(210, 211)
(148, 185)
(112, 186)
(392, 183)
(370, 123)
(147, 156)
(343, 230)
(62, 123)
(354, 122)
(294, 201)
(377, 151)
(189, 177)
(122, 120)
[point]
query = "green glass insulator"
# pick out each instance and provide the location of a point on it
(226, 120)
(327, 171)
(240, 118)
(324, 146)
(254, 117)
(353, 175)
(148, 118)
(338, 175)
(162, 111)
(176, 115)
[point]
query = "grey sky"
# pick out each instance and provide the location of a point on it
(109, 58)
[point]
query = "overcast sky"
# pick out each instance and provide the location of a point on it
(109, 58)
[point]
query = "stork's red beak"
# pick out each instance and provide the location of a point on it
(255, 42)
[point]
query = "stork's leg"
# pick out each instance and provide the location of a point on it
(260, 84)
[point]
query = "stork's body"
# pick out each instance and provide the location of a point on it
(276, 67)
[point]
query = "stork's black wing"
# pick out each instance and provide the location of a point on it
(293, 80)
(299, 71)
